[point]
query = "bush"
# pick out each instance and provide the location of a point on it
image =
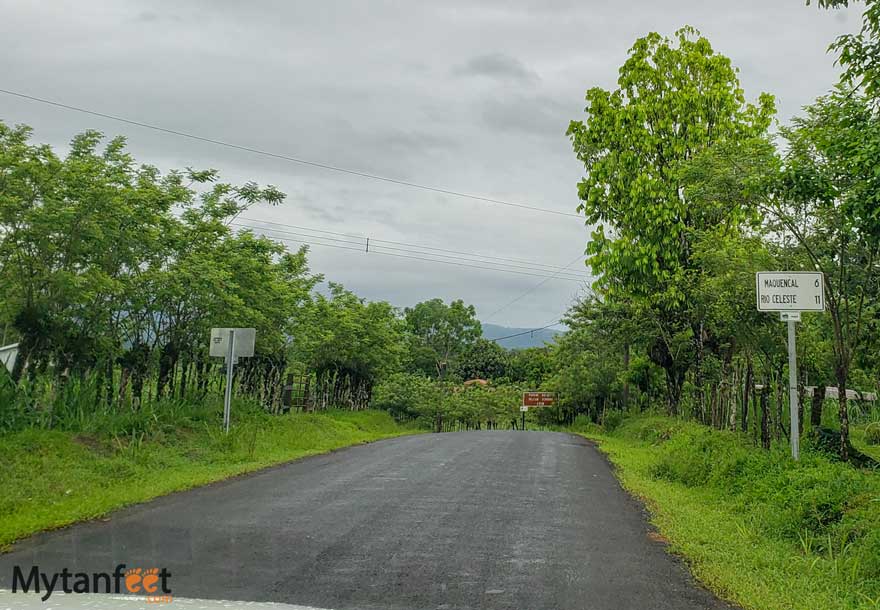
(651, 429)
(406, 397)
(583, 424)
(872, 434)
(612, 420)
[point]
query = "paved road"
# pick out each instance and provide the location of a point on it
(524, 521)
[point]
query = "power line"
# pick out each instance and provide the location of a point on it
(374, 240)
(373, 249)
(283, 157)
(432, 260)
(527, 332)
(247, 226)
(533, 288)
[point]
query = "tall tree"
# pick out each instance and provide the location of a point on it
(483, 359)
(439, 332)
(829, 200)
(674, 99)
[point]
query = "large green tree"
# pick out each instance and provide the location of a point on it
(674, 99)
(483, 359)
(438, 333)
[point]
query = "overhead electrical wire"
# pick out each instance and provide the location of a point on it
(283, 157)
(370, 246)
(399, 243)
(579, 257)
(432, 260)
(527, 332)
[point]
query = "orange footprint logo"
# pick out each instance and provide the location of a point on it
(150, 580)
(133, 580)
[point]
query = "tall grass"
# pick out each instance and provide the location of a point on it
(757, 527)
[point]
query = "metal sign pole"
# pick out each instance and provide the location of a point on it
(792, 392)
(227, 401)
(523, 420)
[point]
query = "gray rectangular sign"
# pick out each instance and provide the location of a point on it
(244, 342)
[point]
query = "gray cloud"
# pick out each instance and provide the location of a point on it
(498, 66)
(534, 115)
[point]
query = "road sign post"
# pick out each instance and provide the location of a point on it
(231, 344)
(227, 398)
(794, 433)
(790, 293)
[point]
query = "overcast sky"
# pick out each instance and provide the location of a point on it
(467, 96)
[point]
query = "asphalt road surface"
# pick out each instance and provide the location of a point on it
(494, 519)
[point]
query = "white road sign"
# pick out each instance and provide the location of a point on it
(523, 408)
(244, 342)
(790, 291)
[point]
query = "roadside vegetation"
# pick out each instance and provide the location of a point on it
(757, 528)
(51, 478)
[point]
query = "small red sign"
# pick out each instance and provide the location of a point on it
(539, 399)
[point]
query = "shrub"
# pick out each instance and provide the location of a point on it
(582, 423)
(612, 420)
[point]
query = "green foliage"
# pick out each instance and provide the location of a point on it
(483, 359)
(444, 406)
(349, 344)
(674, 99)
(438, 333)
(859, 53)
(612, 420)
(531, 367)
(872, 433)
(113, 313)
(815, 497)
(406, 396)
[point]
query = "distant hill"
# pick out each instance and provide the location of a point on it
(529, 339)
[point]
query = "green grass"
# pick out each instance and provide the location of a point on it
(755, 528)
(52, 478)
(857, 438)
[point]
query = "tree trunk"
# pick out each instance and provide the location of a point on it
(732, 414)
(626, 376)
(167, 360)
(109, 382)
(748, 390)
(816, 407)
(123, 385)
(843, 412)
(698, 373)
(765, 416)
(674, 383)
(801, 390)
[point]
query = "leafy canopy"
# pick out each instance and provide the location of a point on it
(674, 99)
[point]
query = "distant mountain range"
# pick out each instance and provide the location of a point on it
(528, 339)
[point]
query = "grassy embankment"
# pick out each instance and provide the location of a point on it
(51, 478)
(755, 527)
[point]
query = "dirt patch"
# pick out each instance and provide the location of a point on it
(92, 443)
